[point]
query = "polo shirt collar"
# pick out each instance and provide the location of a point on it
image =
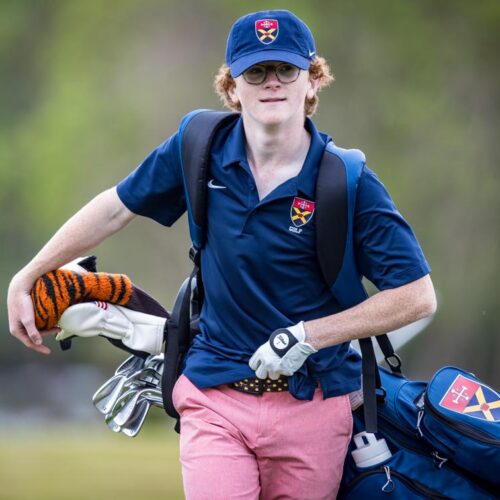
(234, 152)
(234, 147)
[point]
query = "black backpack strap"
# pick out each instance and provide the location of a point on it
(331, 215)
(197, 139)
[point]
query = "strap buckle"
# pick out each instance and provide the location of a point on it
(394, 362)
(194, 255)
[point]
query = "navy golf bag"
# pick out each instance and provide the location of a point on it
(442, 437)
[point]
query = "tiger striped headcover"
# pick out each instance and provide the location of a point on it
(55, 291)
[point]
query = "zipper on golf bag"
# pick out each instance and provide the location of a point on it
(462, 428)
(459, 416)
(410, 444)
(413, 466)
(425, 450)
(389, 483)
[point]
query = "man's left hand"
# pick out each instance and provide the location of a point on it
(283, 354)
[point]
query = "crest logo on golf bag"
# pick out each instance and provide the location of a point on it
(301, 211)
(472, 398)
(266, 30)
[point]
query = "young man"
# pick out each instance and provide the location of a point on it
(264, 397)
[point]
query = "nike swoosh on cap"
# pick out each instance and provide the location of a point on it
(211, 184)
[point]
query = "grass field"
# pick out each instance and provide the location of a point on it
(81, 464)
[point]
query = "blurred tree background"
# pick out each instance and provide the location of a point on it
(89, 87)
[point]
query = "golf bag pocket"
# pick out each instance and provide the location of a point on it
(459, 416)
(382, 483)
(415, 467)
(407, 475)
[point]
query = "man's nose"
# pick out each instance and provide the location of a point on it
(271, 78)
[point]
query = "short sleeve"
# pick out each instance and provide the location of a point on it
(387, 250)
(155, 188)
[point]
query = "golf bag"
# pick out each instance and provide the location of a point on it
(435, 440)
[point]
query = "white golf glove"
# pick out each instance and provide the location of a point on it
(136, 330)
(283, 354)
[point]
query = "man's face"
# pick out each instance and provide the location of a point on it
(273, 102)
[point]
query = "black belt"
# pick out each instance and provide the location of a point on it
(258, 386)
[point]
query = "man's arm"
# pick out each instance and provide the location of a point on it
(103, 216)
(288, 348)
(388, 254)
(383, 312)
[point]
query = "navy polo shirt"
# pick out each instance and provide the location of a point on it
(259, 263)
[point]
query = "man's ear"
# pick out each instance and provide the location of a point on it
(313, 87)
(231, 92)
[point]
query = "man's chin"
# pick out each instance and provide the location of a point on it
(272, 117)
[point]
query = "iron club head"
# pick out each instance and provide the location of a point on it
(130, 365)
(137, 418)
(155, 361)
(106, 396)
(124, 407)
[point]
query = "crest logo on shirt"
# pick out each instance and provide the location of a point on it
(469, 397)
(266, 30)
(301, 211)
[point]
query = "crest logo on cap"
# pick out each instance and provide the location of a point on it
(266, 30)
(301, 211)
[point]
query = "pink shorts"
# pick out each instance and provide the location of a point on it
(236, 445)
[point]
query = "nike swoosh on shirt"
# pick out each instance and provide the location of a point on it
(211, 184)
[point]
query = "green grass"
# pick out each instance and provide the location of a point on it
(80, 464)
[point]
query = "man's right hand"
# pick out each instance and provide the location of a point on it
(22, 318)
(101, 217)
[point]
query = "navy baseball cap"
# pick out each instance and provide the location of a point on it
(269, 35)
